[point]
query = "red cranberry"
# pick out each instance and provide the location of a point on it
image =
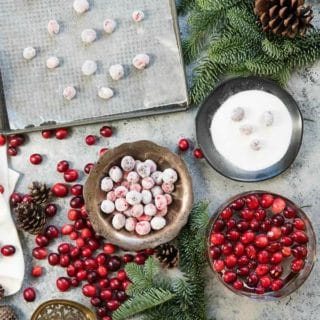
(276, 258)
(259, 290)
(73, 214)
(63, 284)
(266, 200)
(278, 205)
(217, 239)
(286, 251)
(243, 261)
(3, 140)
(273, 247)
(95, 301)
(289, 212)
(92, 276)
(51, 232)
(90, 140)
(79, 264)
(64, 260)
(62, 166)
(8, 250)
(262, 269)
(229, 277)
(122, 275)
(121, 296)
(53, 259)
(15, 198)
(242, 226)
(16, 140)
(252, 264)
(233, 235)
(226, 214)
(88, 167)
(247, 237)
(215, 252)
(243, 271)
(247, 214)
(71, 175)
(106, 294)
(113, 305)
(218, 225)
(252, 202)
(231, 224)
(80, 243)
(76, 202)
(231, 260)
(218, 265)
(27, 198)
(40, 253)
(29, 294)
(102, 311)
(252, 280)
(260, 214)
(197, 153)
(74, 252)
(77, 190)
(81, 275)
(287, 228)
(299, 224)
(1, 188)
(60, 190)
(263, 257)
(61, 133)
(276, 285)
(66, 229)
(238, 204)
(227, 248)
(297, 265)
(286, 241)
(276, 271)
(64, 248)
(47, 134)
(300, 237)
(274, 233)
(277, 220)
(73, 235)
(71, 270)
(102, 271)
(101, 259)
(90, 264)
(86, 252)
(35, 158)
(265, 282)
(107, 318)
(266, 225)
(251, 252)
(115, 284)
(238, 249)
(86, 233)
(51, 210)
(74, 282)
(103, 151)
(126, 284)
(41, 240)
(36, 271)
(106, 131)
(261, 241)
(255, 225)
(299, 252)
(12, 151)
(104, 283)
(127, 258)
(114, 264)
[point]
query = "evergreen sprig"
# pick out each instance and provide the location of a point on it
(225, 39)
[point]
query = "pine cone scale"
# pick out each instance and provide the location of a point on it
(168, 255)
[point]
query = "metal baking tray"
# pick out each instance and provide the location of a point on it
(31, 95)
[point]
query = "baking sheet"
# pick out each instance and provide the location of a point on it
(33, 94)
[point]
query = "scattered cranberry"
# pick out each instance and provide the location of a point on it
(15, 198)
(122, 275)
(140, 259)
(16, 140)
(121, 296)
(27, 198)
(12, 151)
(113, 305)
(198, 153)
(76, 190)
(109, 248)
(91, 140)
(47, 134)
(184, 144)
(95, 301)
(299, 252)
(106, 131)
(66, 229)
(41, 240)
(35, 158)
(62, 166)
(103, 151)
(3, 140)
(71, 175)
(88, 167)
(51, 210)
(1, 188)
(8, 250)
(64, 248)
(53, 259)
(60, 190)
(106, 294)
(40, 253)
(29, 294)
(63, 284)
(76, 202)
(73, 214)
(102, 311)
(36, 271)
(51, 232)
(61, 133)
(127, 258)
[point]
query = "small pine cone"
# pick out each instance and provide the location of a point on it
(30, 217)
(7, 313)
(1, 292)
(168, 255)
(39, 192)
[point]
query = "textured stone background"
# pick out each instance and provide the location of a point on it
(300, 183)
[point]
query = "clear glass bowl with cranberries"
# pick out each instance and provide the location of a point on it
(261, 245)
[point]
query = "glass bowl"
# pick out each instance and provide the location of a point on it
(291, 280)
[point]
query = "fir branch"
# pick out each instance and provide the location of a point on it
(184, 5)
(140, 302)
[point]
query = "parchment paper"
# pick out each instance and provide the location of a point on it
(34, 94)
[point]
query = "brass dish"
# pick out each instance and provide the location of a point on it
(178, 212)
(62, 310)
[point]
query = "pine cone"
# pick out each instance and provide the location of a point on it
(30, 217)
(287, 18)
(1, 292)
(39, 192)
(7, 313)
(168, 255)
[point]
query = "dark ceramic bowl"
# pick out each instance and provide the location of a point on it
(213, 102)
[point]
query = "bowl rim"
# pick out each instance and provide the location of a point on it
(269, 296)
(135, 242)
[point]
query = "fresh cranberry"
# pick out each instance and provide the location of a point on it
(266, 225)
(36, 271)
(289, 212)
(1, 188)
(79, 264)
(35, 158)
(287, 228)
(113, 305)
(41, 240)
(53, 259)
(74, 252)
(233, 235)
(90, 264)
(64, 260)
(226, 214)
(286, 251)
(252, 264)
(66, 229)
(86, 252)
(16, 140)
(126, 284)
(297, 265)
(242, 226)
(276, 258)
(229, 277)
(276, 285)
(50, 210)
(252, 202)
(51, 232)
(265, 282)
(95, 301)
(227, 248)
(243, 261)
(60, 190)
(8, 250)
(61, 133)
(238, 204)
(115, 284)
(102, 271)
(29, 294)
(12, 151)
(88, 167)
(102, 311)
(266, 200)
(74, 235)
(247, 237)
(259, 290)
(277, 220)
(27, 198)
(101, 259)
(286, 241)
(81, 275)
(15, 198)
(217, 239)
(92, 276)
(247, 214)
(62, 166)
(218, 225)
(251, 252)
(278, 205)
(263, 257)
(103, 151)
(183, 144)
(76, 190)
(276, 271)
(231, 260)
(71, 175)
(64, 248)
(243, 271)
(106, 318)
(122, 275)
(73, 214)
(86, 233)
(121, 296)
(252, 280)
(76, 202)
(74, 282)
(300, 237)
(106, 294)
(197, 153)
(215, 252)
(40, 253)
(261, 241)
(71, 270)
(299, 224)
(273, 247)
(238, 249)
(47, 134)
(218, 265)
(104, 283)
(114, 263)
(274, 233)
(231, 224)
(63, 284)
(260, 214)
(127, 258)
(3, 140)
(254, 225)
(106, 131)
(262, 269)
(299, 252)
(80, 243)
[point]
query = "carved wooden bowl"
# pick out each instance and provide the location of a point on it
(178, 211)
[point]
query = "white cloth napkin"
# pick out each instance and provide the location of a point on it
(11, 268)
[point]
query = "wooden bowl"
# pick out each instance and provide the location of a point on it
(178, 211)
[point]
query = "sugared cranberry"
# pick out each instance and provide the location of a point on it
(106, 131)
(252, 280)
(263, 257)
(51, 232)
(229, 277)
(274, 233)
(127, 258)
(218, 225)
(243, 261)
(260, 214)
(63, 284)
(289, 212)
(217, 238)
(76, 190)
(35, 158)
(251, 252)
(71, 175)
(300, 237)
(3, 140)
(183, 144)
(277, 220)
(15, 198)
(299, 252)
(41, 240)
(12, 151)
(215, 252)
(60, 190)
(36, 271)
(238, 249)
(276, 285)
(265, 282)
(247, 237)
(287, 228)
(261, 241)
(61, 133)
(278, 205)
(273, 247)
(197, 153)
(53, 259)
(252, 202)
(276, 271)
(276, 258)
(115, 284)
(243, 271)
(50, 210)
(29, 294)
(266, 200)
(8, 250)
(262, 269)
(113, 305)
(297, 265)
(299, 224)
(218, 265)
(238, 204)
(76, 202)
(230, 261)
(227, 248)
(286, 241)
(40, 253)
(92, 276)
(226, 214)
(231, 224)
(90, 140)
(88, 167)
(62, 166)
(47, 134)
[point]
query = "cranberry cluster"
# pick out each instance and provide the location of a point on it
(257, 242)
